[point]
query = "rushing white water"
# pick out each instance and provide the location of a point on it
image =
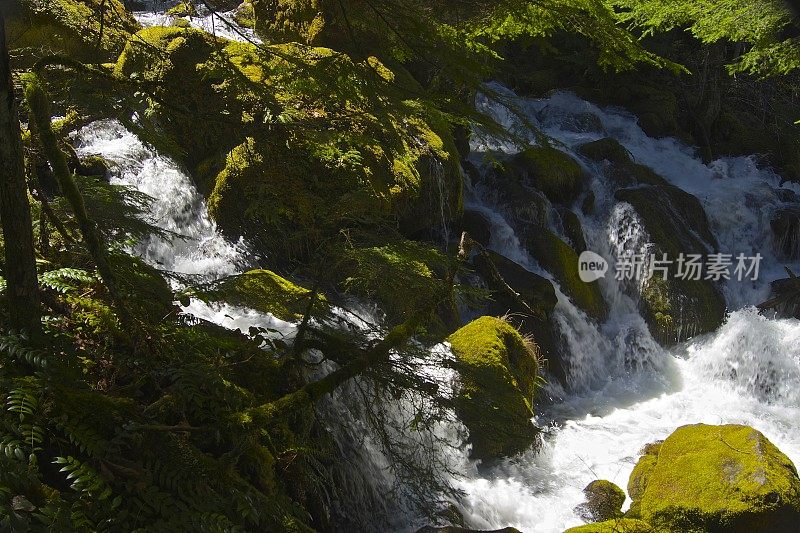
(625, 391)
(221, 24)
(198, 250)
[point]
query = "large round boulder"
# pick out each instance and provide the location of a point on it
(498, 370)
(716, 478)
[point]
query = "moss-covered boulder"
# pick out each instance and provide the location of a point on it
(524, 299)
(408, 279)
(716, 478)
(551, 171)
(606, 149)
(675, 308)
(498, 372)
(558, 258)
(70, 27)
(523, 205)
(294, 143)
(603, 501)
(617, 525)
(621, 170)
(264, 291)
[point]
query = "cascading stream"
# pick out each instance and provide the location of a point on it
(625, 391)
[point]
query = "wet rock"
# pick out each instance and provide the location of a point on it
(523, 205)
(606, 149)
(603, 501)
(787, 195)
(716, 478)
(558, 258)
(622, 171)
(525, 299)
(497, 370)
(554, 116)
(573, 229)
(786, 231)
(477, 226)
(675, 309)
(551, 171)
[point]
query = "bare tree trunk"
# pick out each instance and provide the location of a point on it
(20, 258)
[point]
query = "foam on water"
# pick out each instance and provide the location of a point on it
(221, 24)
(624, 390)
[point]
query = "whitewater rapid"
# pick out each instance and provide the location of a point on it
(625, 390)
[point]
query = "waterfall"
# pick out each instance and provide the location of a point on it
(624, 389)
(627, 391)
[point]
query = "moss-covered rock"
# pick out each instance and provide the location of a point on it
(716, 478)
(676, 309)
(558, 258)
(606, 149)
(264, 291)
(603, 501)
(70, 27)
(231, 113)
(551, 171)
(408, 279)
(183, 9)
(573, 229)
(524, 299)
(524, 205)
(498, 380)
(618, 525)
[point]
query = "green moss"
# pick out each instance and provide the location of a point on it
(558, 258)
(606, 149)
(69, 27)
(183, 9)
(361, 157)
(408, 279)
(244, 15)
(603, 501)
(498, 380)
(620, 525)
(267, 292)
(717, 478)
(553, 172)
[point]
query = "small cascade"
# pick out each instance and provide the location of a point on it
(198, 250)
(221, 24)
(623, 389)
